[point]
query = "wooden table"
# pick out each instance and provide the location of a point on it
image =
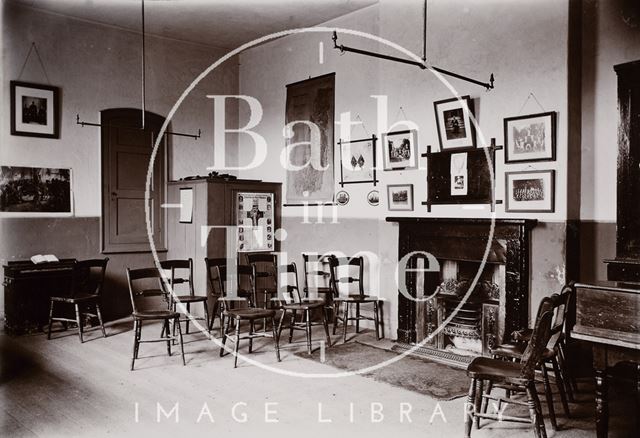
(608, 317)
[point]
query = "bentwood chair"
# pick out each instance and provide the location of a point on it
(88, 277)
(293, 302)
(181, 273)
(342, 278)
(144, 302)
(517, 376)
(515, 351)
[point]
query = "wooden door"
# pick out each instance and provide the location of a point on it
(126, 153)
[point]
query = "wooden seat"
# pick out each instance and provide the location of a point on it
(145, 309)
(549, 356)
(518, 375)
(181, 273)
(88, 278)
(293, 302)
(341, 275)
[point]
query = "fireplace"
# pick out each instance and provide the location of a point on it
(497, 305)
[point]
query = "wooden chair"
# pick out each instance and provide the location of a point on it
(293, 302)
(316, 269)
(181, 272)
(250, 314)
(214, 287)
(265, 274)
(515, 351)
(341, 275)
(518, 376)
(144, 311)
(88, 278)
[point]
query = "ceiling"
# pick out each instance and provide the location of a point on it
(218, 23)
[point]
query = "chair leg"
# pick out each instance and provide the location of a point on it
(565, 375)
(79, 322)
(168, 331)
(561, 386)
(357, 317)
(50, 320)
(292, 323)
(336, 310)
(344, 321)
(224, 328)
(251, 330)
(276, 337)
(213, 316)
(376, 320)
(177, 322)
(468, 417)
(237, 346)
(548, 394)
(485, 402)
(325, 323)
(535, 411)
(104, 333)
(478, 402)
(139, 336)
(134, 353)
(206, 316)
(307, 314)
(281, 322)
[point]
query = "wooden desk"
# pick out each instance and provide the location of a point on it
(27, 289)
(608, 317)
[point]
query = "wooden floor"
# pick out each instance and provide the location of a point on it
(62, 388)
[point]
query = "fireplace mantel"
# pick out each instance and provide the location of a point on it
(466, 239)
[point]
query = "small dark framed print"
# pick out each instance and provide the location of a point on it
(400, 197)
(358, 161)
(455, 127)
(399, 150)
(530, 138)
(34, 110)
(530, 191)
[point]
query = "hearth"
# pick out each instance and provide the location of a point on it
(452, 329)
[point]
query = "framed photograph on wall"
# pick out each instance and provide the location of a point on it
(358, 161)
(399, 150)
(530, 191)
(34, 110)
(453, 119)
(400, 197)
(255, 219)
(29, 191)
(530, 138)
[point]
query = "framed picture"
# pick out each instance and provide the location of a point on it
(358, 161)
(373, 198)
(186, 205)
(400, 197)
(453, 119)
(255, 217)
(34, 110)
(342, 198)
(530, 191)
(400, 150)
(530, 138)
(31, 191)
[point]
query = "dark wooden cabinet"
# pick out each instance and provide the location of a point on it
(215, 203)
(626, 266)
(27, 289)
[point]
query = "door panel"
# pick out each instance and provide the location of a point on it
(126, 151)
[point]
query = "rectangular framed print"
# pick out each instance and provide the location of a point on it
(530, 191)
(35, 191)
(186, 205)
(255, 220)
(399, 150)
(400, 197)
(34, 110)
(530, 138)
(358, 161)
(453, 119)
